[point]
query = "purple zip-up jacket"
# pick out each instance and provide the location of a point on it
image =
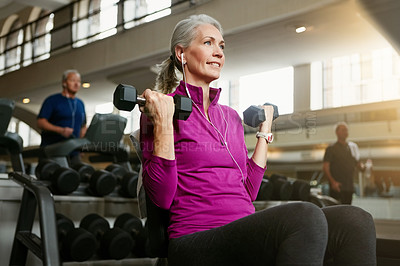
(203, 187)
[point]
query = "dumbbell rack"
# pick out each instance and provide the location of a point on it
(37, 197)
(35, 194)
(103, 131)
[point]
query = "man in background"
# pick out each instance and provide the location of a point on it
(62, 115)
(339, 164)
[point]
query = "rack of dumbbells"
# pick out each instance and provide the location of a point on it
(102, 237)
(279, 189)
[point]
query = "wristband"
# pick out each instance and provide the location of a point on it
(269, 137)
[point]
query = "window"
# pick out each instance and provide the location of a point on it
(28, 47)
(2, 57)
(356, 79)
(13, 48)
(42, 43)
(95, 20)
(273, 86)
(80, 29)
(104, 108)
(135, 11)
(103, 18)
(316, 97)
(27, 43)
(30, 137)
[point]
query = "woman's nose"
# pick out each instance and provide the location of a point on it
(218, 52)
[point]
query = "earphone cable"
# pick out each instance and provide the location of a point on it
(223, 116)
(73, 109)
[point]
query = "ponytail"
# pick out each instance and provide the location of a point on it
(166, 80)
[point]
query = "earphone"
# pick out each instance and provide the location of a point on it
(184, 76)
(216, 129)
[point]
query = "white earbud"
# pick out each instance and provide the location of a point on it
(182, 59)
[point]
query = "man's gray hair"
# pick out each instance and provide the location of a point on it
(340, 124)
(67, 72)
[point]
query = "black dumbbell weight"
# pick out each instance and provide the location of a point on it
(116, 169)
(128, 185)
(283, 189)
(301, 190)
(134, 226)
(62, 180)
(75, 244)
(113, 243)
(100, 182)
(127, 180)
(255, 115)
(266, 190)
(125, 98)
(84, 170)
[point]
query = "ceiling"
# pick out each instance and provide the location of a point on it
(339, 29)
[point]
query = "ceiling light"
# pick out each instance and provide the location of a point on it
(26, 100)
(299, 26)
(300, 29)
(86, 85)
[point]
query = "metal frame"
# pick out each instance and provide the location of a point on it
(45, 248)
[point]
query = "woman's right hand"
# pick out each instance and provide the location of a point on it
(159, 107)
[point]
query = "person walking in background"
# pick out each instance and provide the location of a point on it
(62, 115)
(339, 164)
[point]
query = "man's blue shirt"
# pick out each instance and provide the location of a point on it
(64, 112)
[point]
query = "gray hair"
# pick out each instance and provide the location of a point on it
(183, 34)
(340, 124)
(67, 72)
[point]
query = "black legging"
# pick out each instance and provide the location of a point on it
(290, 234)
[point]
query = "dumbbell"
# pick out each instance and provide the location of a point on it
(125, 98)
(127, 180)
(255, 115)
(75, 244)
(112, 243)
(282, 187)
(301, 190)
(84, 170)
(62, 180)
(101, 182)
(134, 226)
(266, 190)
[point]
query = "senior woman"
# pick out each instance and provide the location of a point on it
(199, 170)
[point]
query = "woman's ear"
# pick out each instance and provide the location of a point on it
(182, 60)
(179, 54)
